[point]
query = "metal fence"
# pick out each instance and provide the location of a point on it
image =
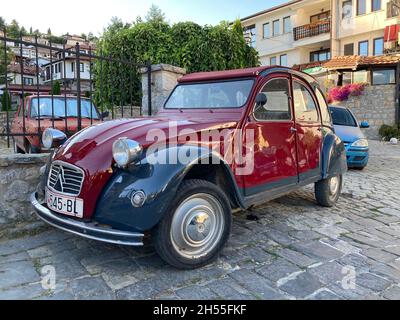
(67, 87)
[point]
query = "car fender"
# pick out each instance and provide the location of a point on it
(159, 182)
(334, 159)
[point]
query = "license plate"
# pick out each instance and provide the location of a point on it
(69, 206)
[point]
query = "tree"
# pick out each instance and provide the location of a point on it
(56, 90)
(13, 30)
(155, 15)
(5, 58)
(2, 24)
(185, 44)
(49, 32)
(5, 101)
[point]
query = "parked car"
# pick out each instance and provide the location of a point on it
(109, 182)
(349, 130)
(39, 110)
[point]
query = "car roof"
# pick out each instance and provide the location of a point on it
(242, 73)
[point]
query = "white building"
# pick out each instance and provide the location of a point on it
(306, 31)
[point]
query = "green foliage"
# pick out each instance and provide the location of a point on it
(3, 58)
(388, 132)
(185, 44)
(56, 90)
(5, 101)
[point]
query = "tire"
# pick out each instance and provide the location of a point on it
(359, 168)
(327, 192)
(200, 206)
(16, 148)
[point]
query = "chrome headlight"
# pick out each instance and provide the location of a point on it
(53, 138)
(126, 151)
(363, 143)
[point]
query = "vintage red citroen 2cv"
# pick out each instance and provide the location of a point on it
(222, 141)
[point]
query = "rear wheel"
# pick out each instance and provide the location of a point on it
(16, 148)
(196, 228)
(327, 192)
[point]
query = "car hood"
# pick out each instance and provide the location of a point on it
(92, 147)
(349, 134)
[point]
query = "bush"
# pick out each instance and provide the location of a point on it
(5, 101)
(388, 132)
(343, 93)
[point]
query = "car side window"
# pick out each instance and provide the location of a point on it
(304, 104)
(277, 107)
(326, 116)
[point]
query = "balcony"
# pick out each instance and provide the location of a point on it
(312, 30)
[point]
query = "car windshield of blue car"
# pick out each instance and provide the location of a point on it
(343, 117)
(216, 95)
(62, 109)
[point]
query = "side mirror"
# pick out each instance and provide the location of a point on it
(364, 125)
(105, 115)
(261, 99)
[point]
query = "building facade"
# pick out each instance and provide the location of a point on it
(307, 31)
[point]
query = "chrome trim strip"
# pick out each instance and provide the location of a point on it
(46, 214)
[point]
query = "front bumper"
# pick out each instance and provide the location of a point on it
(357, 157)
(87, 230)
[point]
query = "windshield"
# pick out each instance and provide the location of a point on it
(87, 111)
(227, 94)
(343, 117)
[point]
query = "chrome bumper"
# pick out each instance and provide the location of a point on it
(86, 230)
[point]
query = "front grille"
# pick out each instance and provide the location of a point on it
(65, 178)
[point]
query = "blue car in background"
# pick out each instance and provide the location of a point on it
(349, 131)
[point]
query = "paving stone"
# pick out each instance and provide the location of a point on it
(379, 255)
(328, 273)
(325, 295)
(279, 269)
(302, 286)
(393, 293)
(279, 237)
(143, 290)
(21, 256)
(256, 284)
(373, 282)
(305, 235)
(229, 289)
(386, 271)
(296, 257)
(26, 292)
(196, 293)
(93, 288)
(318, 250)
(394, 250)
(14, 274)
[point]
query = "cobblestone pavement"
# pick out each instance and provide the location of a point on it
(295, 250)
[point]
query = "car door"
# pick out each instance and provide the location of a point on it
(275, 164)
(308, 131)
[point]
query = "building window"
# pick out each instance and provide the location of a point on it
(272, 61)
(283, 60)
(393, 9)
(275, 28)
(384, 76)
(250, 35)
(321, 55)
(82, 67)
(323, 16)
(287, 25)
(347, 9)
(378, 47)
(361, 7)
(266, 31)
(349, 49)
(72, 67)
(363, 48)
(376, 5)
(28, 81)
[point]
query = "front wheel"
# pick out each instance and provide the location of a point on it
(196, 228)
(327, 192)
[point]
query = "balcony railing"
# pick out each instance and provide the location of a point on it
(312, 30)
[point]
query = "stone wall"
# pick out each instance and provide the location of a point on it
(163, 80)
(376, 105)
(128, 112)
(3, 123)
(19, 177)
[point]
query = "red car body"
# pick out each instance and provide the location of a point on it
(31, 141)
(288, 154)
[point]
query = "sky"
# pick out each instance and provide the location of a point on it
(84, 16)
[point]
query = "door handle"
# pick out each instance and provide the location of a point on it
(293, 130)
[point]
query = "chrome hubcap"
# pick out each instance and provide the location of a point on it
(197, 226)
(334, 184)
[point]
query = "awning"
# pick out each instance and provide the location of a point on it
(392, 33)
